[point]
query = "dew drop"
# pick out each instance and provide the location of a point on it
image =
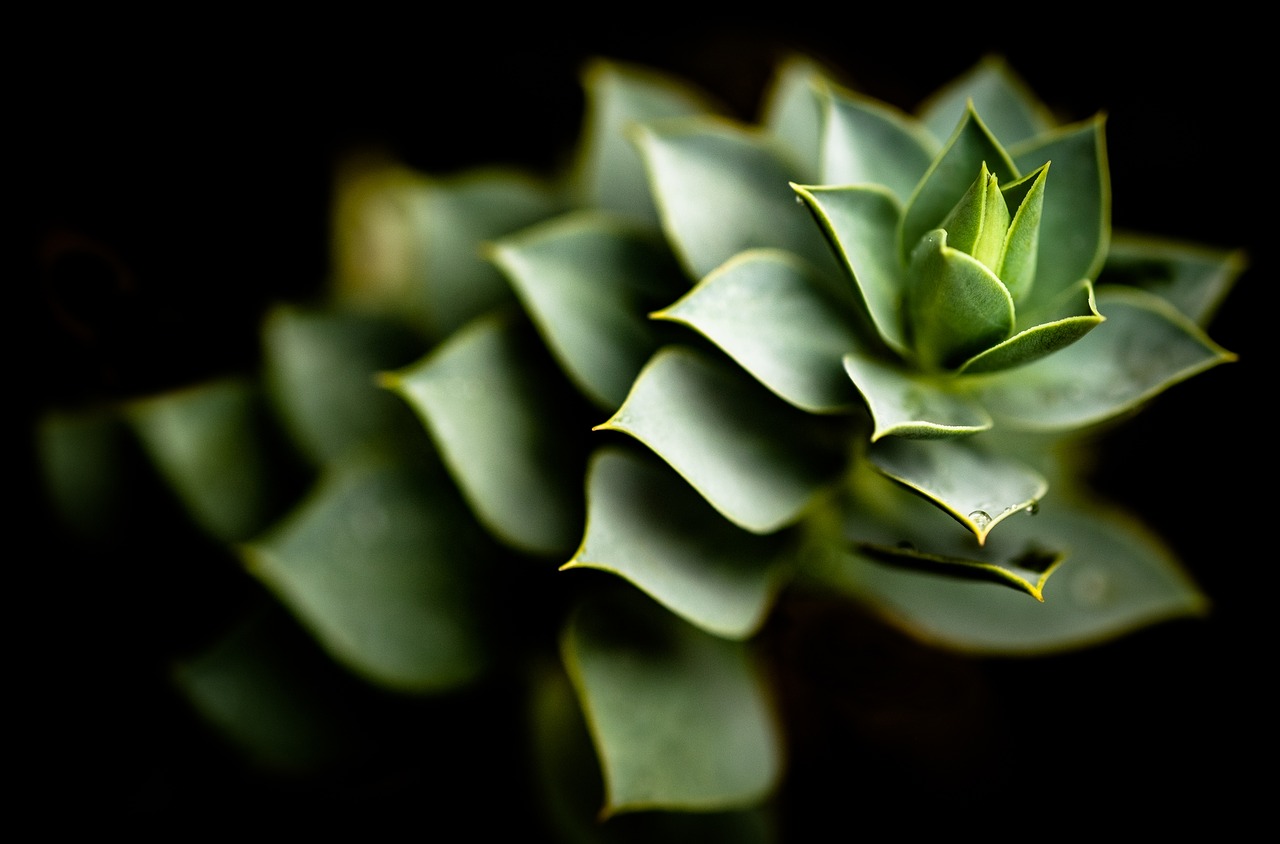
(1032, 508)
(981, 518)
(799, 200)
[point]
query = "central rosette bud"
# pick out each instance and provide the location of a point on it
(965, 277)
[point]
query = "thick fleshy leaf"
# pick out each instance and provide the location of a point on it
(1116, 578)
(411, 243)
(1075, 221)
(977, 488)
(1004, 100)
(646, 524)
(679, 717)
(785, 323)
(1142, 348)
(209, 443)
(82, 463)
(980, 220)
(488, 398)
(862, 225)
(722, 188)
(571, 791)
(894, 526)
(1021, 248)
(1075, 316)
(321, 368)
(264, 686)
(1193, 278)
(956, 306)
(907, 403)
(755, 458)
(379, 563)
(870, 142)
(970, 146)
(608, 173)
(793, 112)
(589, 281)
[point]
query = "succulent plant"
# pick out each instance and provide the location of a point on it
(584, 433)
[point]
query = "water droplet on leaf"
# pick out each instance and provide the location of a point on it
(981, 518)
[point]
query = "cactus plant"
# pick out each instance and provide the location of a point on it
(579, 437)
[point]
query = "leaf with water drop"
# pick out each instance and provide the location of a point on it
(679, 717)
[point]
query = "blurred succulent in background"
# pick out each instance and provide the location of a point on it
(845, 349)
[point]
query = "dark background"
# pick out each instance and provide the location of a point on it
(173, 179)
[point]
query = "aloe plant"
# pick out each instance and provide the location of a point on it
(582, 435)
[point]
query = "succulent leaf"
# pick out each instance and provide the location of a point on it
(1076, 315)
(994, 90)
(721, 188)
(976, 487)
(869, 142)
(81, 457)
(644, 523)
(378, 563)
(1144, 347)
(906, 403)
(678, 716)
(755, 458)
(487, 397)
(782, 321)
(1193, 278)
(588, 279)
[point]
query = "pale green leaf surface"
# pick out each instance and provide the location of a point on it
(207, 441)
(905, 403)
(1021, 247)
(979, 221)
(646, 524)
(458, 215)
(862, 226)
(320, 369)
(869, 142)
(679, 717)
(1007, 104)
(977, 488)
(378, 562)
(793, 112)
(608, 172)
(1075, 317)
(1143, 347)
(1075, 220)
(589, 281)
(781, 321)
(1193, 278)
(956, 306)
(755, 458)
(722, 188)
(948, 178)
(253, 685)
(571, 790)
(487, 396)
(1116, 578)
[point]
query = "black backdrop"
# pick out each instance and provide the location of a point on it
(173, 178)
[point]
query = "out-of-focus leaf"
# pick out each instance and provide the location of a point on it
(907, 403)
(264, 690)
(321, 370)
(793, 112)
(589, 281)
(756, 459)
(722, 188)
(1193, 278)
(977, 488)
(380, 562)
(782, 321)
(488, 396)
(1144, 347)
(646, 524)
(208, 442)
(1075, 221)
(569, 779)
(1007, 104)
(1115, 578)
(679, 717)
(869, 142)
(608, 173)
(81, 456)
